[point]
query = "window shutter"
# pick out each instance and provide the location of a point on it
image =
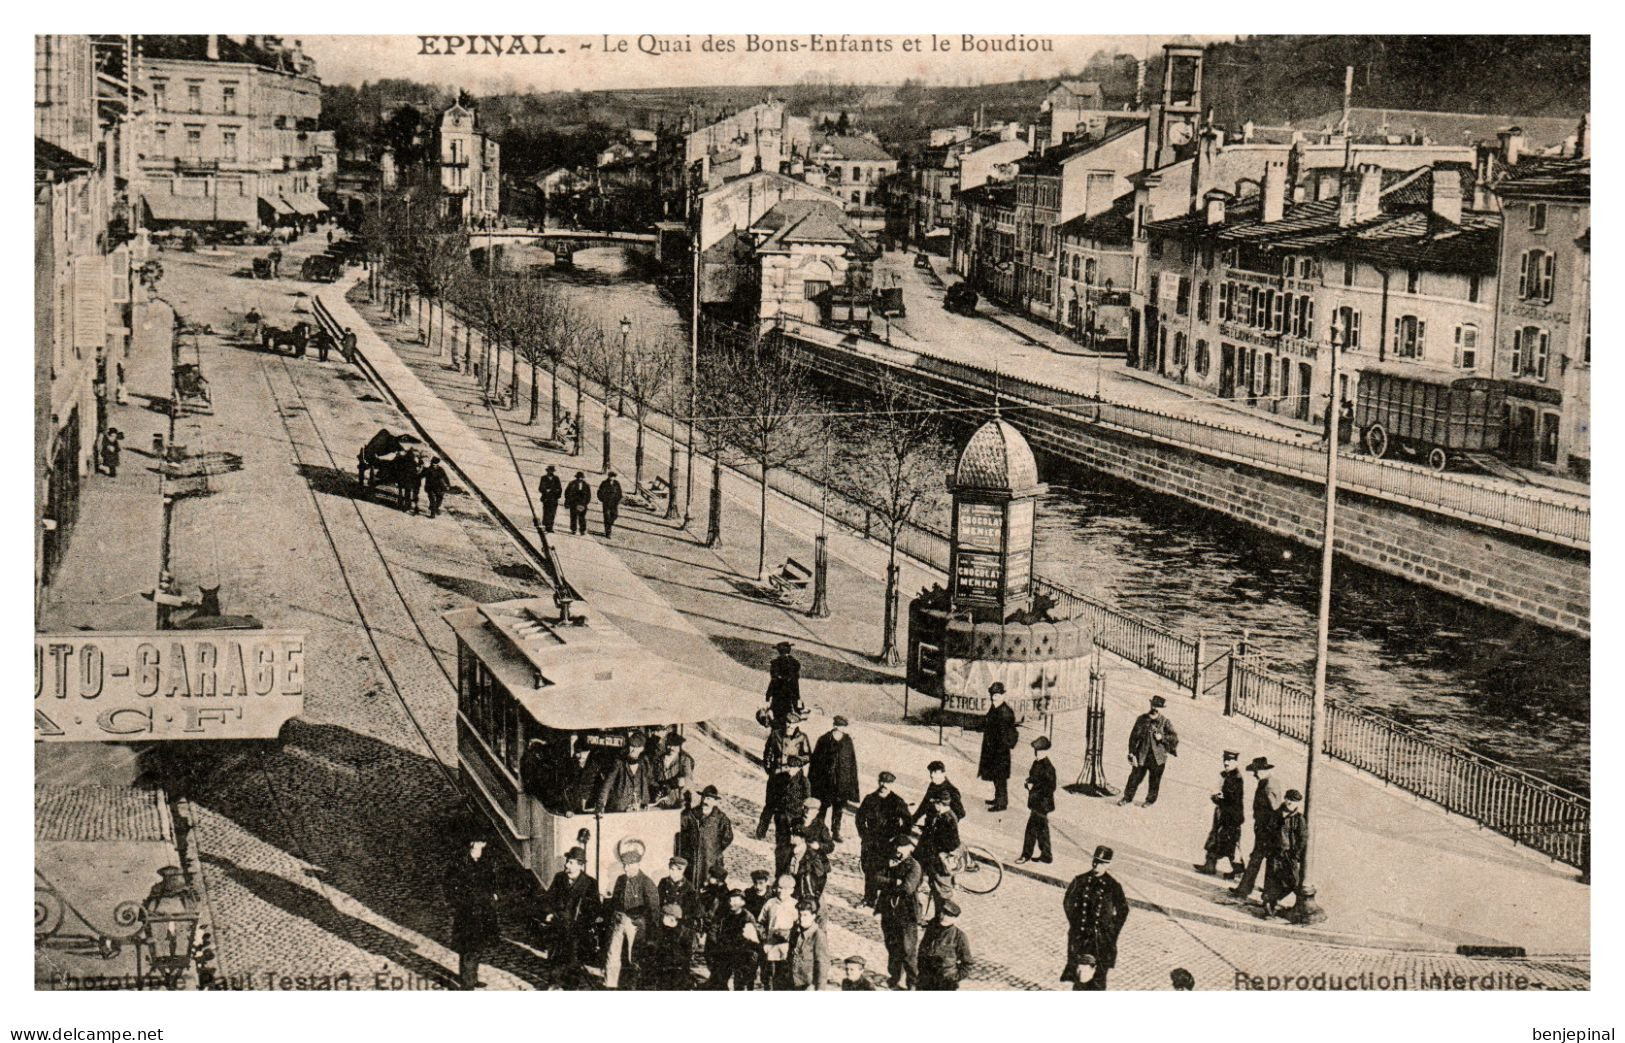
(1396, 336)
(1421, 337)
(1545, 344)
(1546, 277)
(1517, 352)
(1308, 319)
(1523, 274)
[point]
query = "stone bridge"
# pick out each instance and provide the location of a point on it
(554, 239)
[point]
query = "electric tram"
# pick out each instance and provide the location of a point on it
(546, 706)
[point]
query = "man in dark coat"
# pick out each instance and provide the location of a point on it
(471, 889)
(881, 817)
(349, 344)
(570, 917)
(668, 957)
(674, 889)
(939, 843)
(812, 868)
(1286, 859)
(945, 957)
(899, 913)
(1150, 743)
(834, 775)
(674, 775)
(629, 787)
(1096, 910)
(412, 478)
(999, 737)
(787, 793)
(731, 946)
(577, 498)
(435, 483)
(1266, 799)
(580, 789)
(1040, 802)
(704, 834)
(551, 490)
(633, 906)
(609, 500)
(1224, 838)
(939, 784)
(784, 685)
(785, 739)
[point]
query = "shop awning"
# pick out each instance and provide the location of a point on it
(165, 207)
(278, 206)
(305, 204)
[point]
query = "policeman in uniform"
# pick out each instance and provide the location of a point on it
(882, 815)
(1096, 910)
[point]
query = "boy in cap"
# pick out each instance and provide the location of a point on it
(1224, 836)
(899, 912)
(939, 844)
(676, 890)
(761, 889)
(732, 944)
(778, 918)
(939, 784)
(1150, 743)
(1286, 859)
(809, 953)
(945, 956)
(852, 979)
(670, 954)
(1096, 910)
(1266, 799)
(1040, 802)
(882, 815)
(834, 774)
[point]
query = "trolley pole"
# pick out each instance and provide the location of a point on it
(1307, 910)
(693, 375)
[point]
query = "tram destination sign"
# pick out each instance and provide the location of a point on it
(152, 687)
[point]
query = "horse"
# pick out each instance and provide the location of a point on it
(275, 337)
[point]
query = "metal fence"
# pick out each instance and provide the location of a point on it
(1548, 515)
(1518, 805)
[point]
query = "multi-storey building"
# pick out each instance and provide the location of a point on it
(721, 219)
(985, 238)
(856, 169)
(470, 167)
(811, 260)
(233, 139)
(1243, 296)
(1095, 272)
(1543, 344)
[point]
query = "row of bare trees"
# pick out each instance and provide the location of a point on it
(756, 403)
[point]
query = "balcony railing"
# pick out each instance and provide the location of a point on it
(196, 163)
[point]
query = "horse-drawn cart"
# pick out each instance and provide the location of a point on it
(391, 459)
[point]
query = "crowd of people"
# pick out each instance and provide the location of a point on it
(773, 933)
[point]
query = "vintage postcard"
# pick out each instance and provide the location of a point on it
(812, 512)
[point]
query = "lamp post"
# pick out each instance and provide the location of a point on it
(169, 926)
(620, 398)
(693, 376)
(1307, 911)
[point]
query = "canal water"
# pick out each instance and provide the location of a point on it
(1510, 690)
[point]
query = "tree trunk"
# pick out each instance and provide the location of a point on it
(513, 383)
(535, 395)
(761, 542)
(888, 637)
(553, 365)
(637, 458)
(442, 327)
(713, 531)
(579, 415)
(671, 474)
(605, 468)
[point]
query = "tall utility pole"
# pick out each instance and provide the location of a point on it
(693, 373)
(1307, 911)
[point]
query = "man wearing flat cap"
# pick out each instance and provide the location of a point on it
(1224, 837)
(999, 737)
(1266, 802)
(629, 786)
(1096, 910)
(809, 949)
(704, 834)
(676, 890)
(945, 957)
(939, 843)
(732, 945)
(834, 775)
(882, 815)
(899, 910)
(1150, 743)
(1286, 860)
(784, 684)
(570, 914)
(786, 802)
(1041, 783)
(938, 785)
(806, 855)
(634, 906)
(669, 957)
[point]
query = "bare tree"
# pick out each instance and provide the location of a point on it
(895, 458)
(605, 361)
(439, 257)
(647, 372)
(773, 417)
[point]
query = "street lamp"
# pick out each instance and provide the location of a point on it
(170, 915)
(620, 398)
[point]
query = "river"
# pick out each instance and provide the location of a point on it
(1508, 689)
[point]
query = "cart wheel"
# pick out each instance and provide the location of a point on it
(1376, 441)
(1438, 460)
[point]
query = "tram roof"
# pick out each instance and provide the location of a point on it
(578, 678)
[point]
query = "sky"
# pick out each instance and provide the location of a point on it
(660, 60)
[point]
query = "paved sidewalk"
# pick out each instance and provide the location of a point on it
(1391, 870)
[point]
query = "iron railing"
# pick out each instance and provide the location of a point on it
(1529, 810)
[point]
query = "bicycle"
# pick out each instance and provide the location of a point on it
(976, 870)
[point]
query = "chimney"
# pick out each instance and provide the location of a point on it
(1247, 132)
(1274, 189)
(1447, 195)
(1139, 85)
(1582, 138)
(213, 50)
(1511, 145)
(1214, 204)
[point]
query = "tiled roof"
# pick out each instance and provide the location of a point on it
(850, 148)
(1051, 160)
(996, 459)
(809, 221)
(1081, 88)
(1549, 178)
(1115, 225)
(1446, 128)
(992, 193)
(195, 48)
(55, 160)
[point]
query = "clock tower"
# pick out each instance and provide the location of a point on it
(1177, 117)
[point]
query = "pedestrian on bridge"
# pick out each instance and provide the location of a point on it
(1041, 782)
(1286, 858)
(1151, 742)
(834, 775)
(1224, 838)
(577, 498)
(551, 491)
(1266, 801)
(999, 737)
(609, 498)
